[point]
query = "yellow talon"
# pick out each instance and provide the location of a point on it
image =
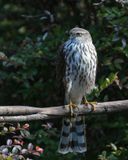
(90, 103)
(72, 107)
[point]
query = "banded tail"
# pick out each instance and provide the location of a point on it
(73, 136)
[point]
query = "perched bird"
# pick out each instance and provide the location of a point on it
(76, 70)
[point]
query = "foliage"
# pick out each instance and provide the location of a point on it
(14, 143)
(31, 32)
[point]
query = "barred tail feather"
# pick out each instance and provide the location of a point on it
(73, 136)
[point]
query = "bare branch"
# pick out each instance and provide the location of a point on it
(21, 118)
(18, 110)
(27, 113)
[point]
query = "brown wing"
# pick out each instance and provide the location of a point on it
(60, 73)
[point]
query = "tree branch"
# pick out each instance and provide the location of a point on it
(27, 113)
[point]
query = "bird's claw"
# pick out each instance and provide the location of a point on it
(72, 108)
(93, 104)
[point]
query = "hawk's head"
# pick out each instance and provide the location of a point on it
(80, 34)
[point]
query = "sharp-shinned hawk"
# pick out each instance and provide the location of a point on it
(77, 63)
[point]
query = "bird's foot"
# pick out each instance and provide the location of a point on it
(93, 104)
(72, 108)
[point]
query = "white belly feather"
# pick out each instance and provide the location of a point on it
(80, 73)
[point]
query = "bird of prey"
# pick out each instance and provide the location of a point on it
(76, 70)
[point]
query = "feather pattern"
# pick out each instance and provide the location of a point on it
(77, 69)
(73, 136)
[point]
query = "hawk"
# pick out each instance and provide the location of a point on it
(77, 63)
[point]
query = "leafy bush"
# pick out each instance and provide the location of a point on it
(14, 144)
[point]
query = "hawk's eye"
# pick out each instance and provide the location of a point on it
(79, 34)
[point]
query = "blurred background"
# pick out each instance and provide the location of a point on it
(31, 32)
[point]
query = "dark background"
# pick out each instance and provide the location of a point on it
(31, 32)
